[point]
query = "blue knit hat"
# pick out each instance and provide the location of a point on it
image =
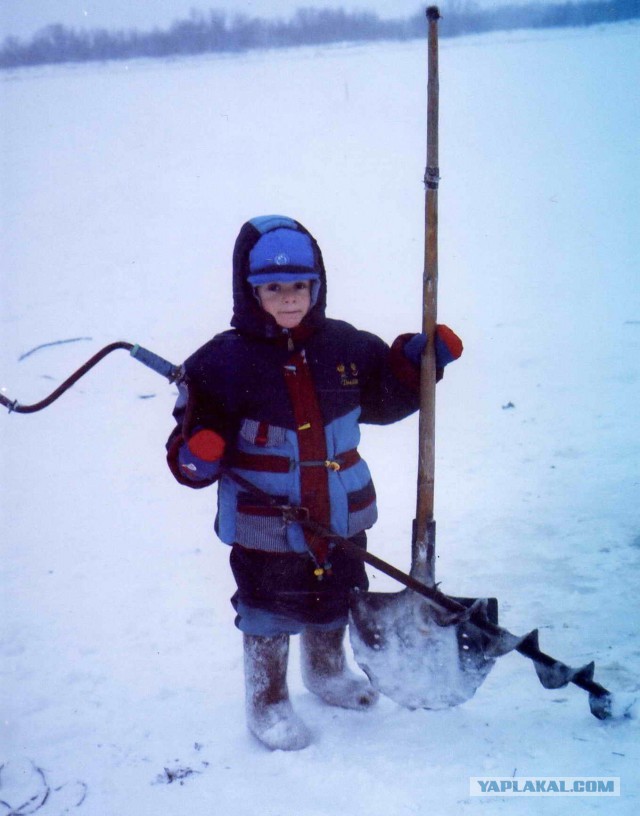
(282, 255)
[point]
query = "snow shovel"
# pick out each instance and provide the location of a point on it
(420, 647)
(413, 652)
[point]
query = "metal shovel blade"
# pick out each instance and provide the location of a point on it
(412, 655)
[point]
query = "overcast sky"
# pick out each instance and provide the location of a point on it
(21, 18)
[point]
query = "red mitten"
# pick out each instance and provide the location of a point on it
(206, 445)
(448, 345)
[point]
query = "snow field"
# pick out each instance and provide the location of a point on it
(123, 186)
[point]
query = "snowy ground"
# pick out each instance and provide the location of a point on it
(123, 186)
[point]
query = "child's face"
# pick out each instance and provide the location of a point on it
(287, 303)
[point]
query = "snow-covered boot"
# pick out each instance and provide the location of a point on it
(270, 716)
(325, 671)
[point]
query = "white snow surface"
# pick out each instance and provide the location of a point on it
(123, 187)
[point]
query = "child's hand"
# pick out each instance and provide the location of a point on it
(206, 445)
(198, 459)
(448, 346)
(195, 462)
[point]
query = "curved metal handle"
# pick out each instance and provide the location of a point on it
(153, 361)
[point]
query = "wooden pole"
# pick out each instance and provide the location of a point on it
(423, 548)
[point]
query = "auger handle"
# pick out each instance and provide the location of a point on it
(148, 358)
(156, 363)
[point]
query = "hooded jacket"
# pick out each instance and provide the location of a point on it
(288, 404)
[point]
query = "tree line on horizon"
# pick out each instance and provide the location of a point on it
(216, 32)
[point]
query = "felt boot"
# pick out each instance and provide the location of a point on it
(325, 671)
(270, 716)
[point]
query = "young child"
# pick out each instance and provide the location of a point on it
(271, 410)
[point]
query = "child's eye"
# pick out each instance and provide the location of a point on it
(273, 287)
(301, 285)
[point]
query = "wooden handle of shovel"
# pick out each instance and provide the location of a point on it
(423, 548)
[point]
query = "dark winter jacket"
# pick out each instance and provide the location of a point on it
(288, 404)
